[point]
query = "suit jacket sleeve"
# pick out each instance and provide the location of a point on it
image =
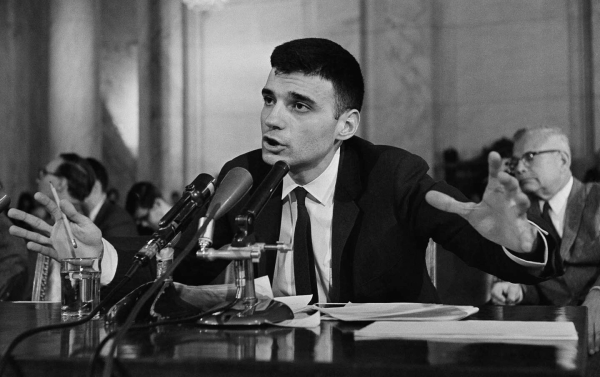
(455, 234)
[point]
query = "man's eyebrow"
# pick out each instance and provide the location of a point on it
(302, 98)
(267, 92)
(292, 95)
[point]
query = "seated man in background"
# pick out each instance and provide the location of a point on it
(145, 204)
(543, 167)
(368, 211)
(112, 220)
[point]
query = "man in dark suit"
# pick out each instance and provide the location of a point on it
(370, 221)
(543, 168)
(112, 220)
(367, 208)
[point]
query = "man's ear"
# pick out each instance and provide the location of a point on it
(565, 159)
(348, 124)
(62, 184)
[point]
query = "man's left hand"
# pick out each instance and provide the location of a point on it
(501, 216)
(592, 301)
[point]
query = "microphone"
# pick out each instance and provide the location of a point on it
(4, 200)
(233, 187)
(245, 220)
(265, 189)
(179, 216)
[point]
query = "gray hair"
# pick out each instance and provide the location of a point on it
(544, 133)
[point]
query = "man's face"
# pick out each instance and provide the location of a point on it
(545, 174)
(298, 123)
(150, 217)
(46, 175)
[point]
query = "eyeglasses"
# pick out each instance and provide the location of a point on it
(527, 158)
(42, 172)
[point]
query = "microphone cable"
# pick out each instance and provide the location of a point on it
(233, 187)
(120, 333)
(93, 360)
(27, 333)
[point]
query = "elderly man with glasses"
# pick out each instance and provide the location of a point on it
(542, 165)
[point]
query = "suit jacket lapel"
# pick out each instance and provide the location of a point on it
(575, 207)
(345, 212)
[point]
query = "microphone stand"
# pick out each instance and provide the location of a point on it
(247, 309)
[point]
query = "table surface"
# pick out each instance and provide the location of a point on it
(327, 350)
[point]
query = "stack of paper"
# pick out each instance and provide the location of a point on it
(398, 312)
(529, 332)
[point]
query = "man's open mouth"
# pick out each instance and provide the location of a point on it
(270, 141)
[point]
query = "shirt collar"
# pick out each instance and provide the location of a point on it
(322, 187)
(559, 201)
(96, 209)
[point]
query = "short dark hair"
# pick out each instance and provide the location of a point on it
(328, 60)
(141, 195)
(79, 174)
(99, 171)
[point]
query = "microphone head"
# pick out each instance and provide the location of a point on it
(236, 183)
(201, 188)
(4, 200)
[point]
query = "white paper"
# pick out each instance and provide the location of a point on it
(402, 311)
(529, 332)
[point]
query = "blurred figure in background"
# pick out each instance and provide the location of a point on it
(14, 270)
(112, 220)
(593, 173)
(146, 205)
(113, 195)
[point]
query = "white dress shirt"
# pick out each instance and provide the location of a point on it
(319, 203)
(558, 207)
(96, 209)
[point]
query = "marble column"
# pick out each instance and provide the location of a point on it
(161, 66)
(194, 93)
(398, 73)
(73, 78)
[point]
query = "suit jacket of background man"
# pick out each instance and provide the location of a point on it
(381, 227)
(579, 249)
(114, 221)
(13, 264)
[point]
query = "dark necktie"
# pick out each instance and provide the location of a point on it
(546, 217)
(304, 258)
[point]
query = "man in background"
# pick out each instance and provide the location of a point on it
(146, 205)
(542, 164)
(112, 220)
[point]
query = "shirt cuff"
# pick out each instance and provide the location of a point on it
(528, 263)
(109, 263)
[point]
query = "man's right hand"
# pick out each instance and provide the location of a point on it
(505, 293)
(53, 240)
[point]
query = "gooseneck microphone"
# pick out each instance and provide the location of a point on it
(194, 197)
(245, 220)
(233, 187)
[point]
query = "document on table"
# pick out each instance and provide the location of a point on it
(527, 332)
(397, 312)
